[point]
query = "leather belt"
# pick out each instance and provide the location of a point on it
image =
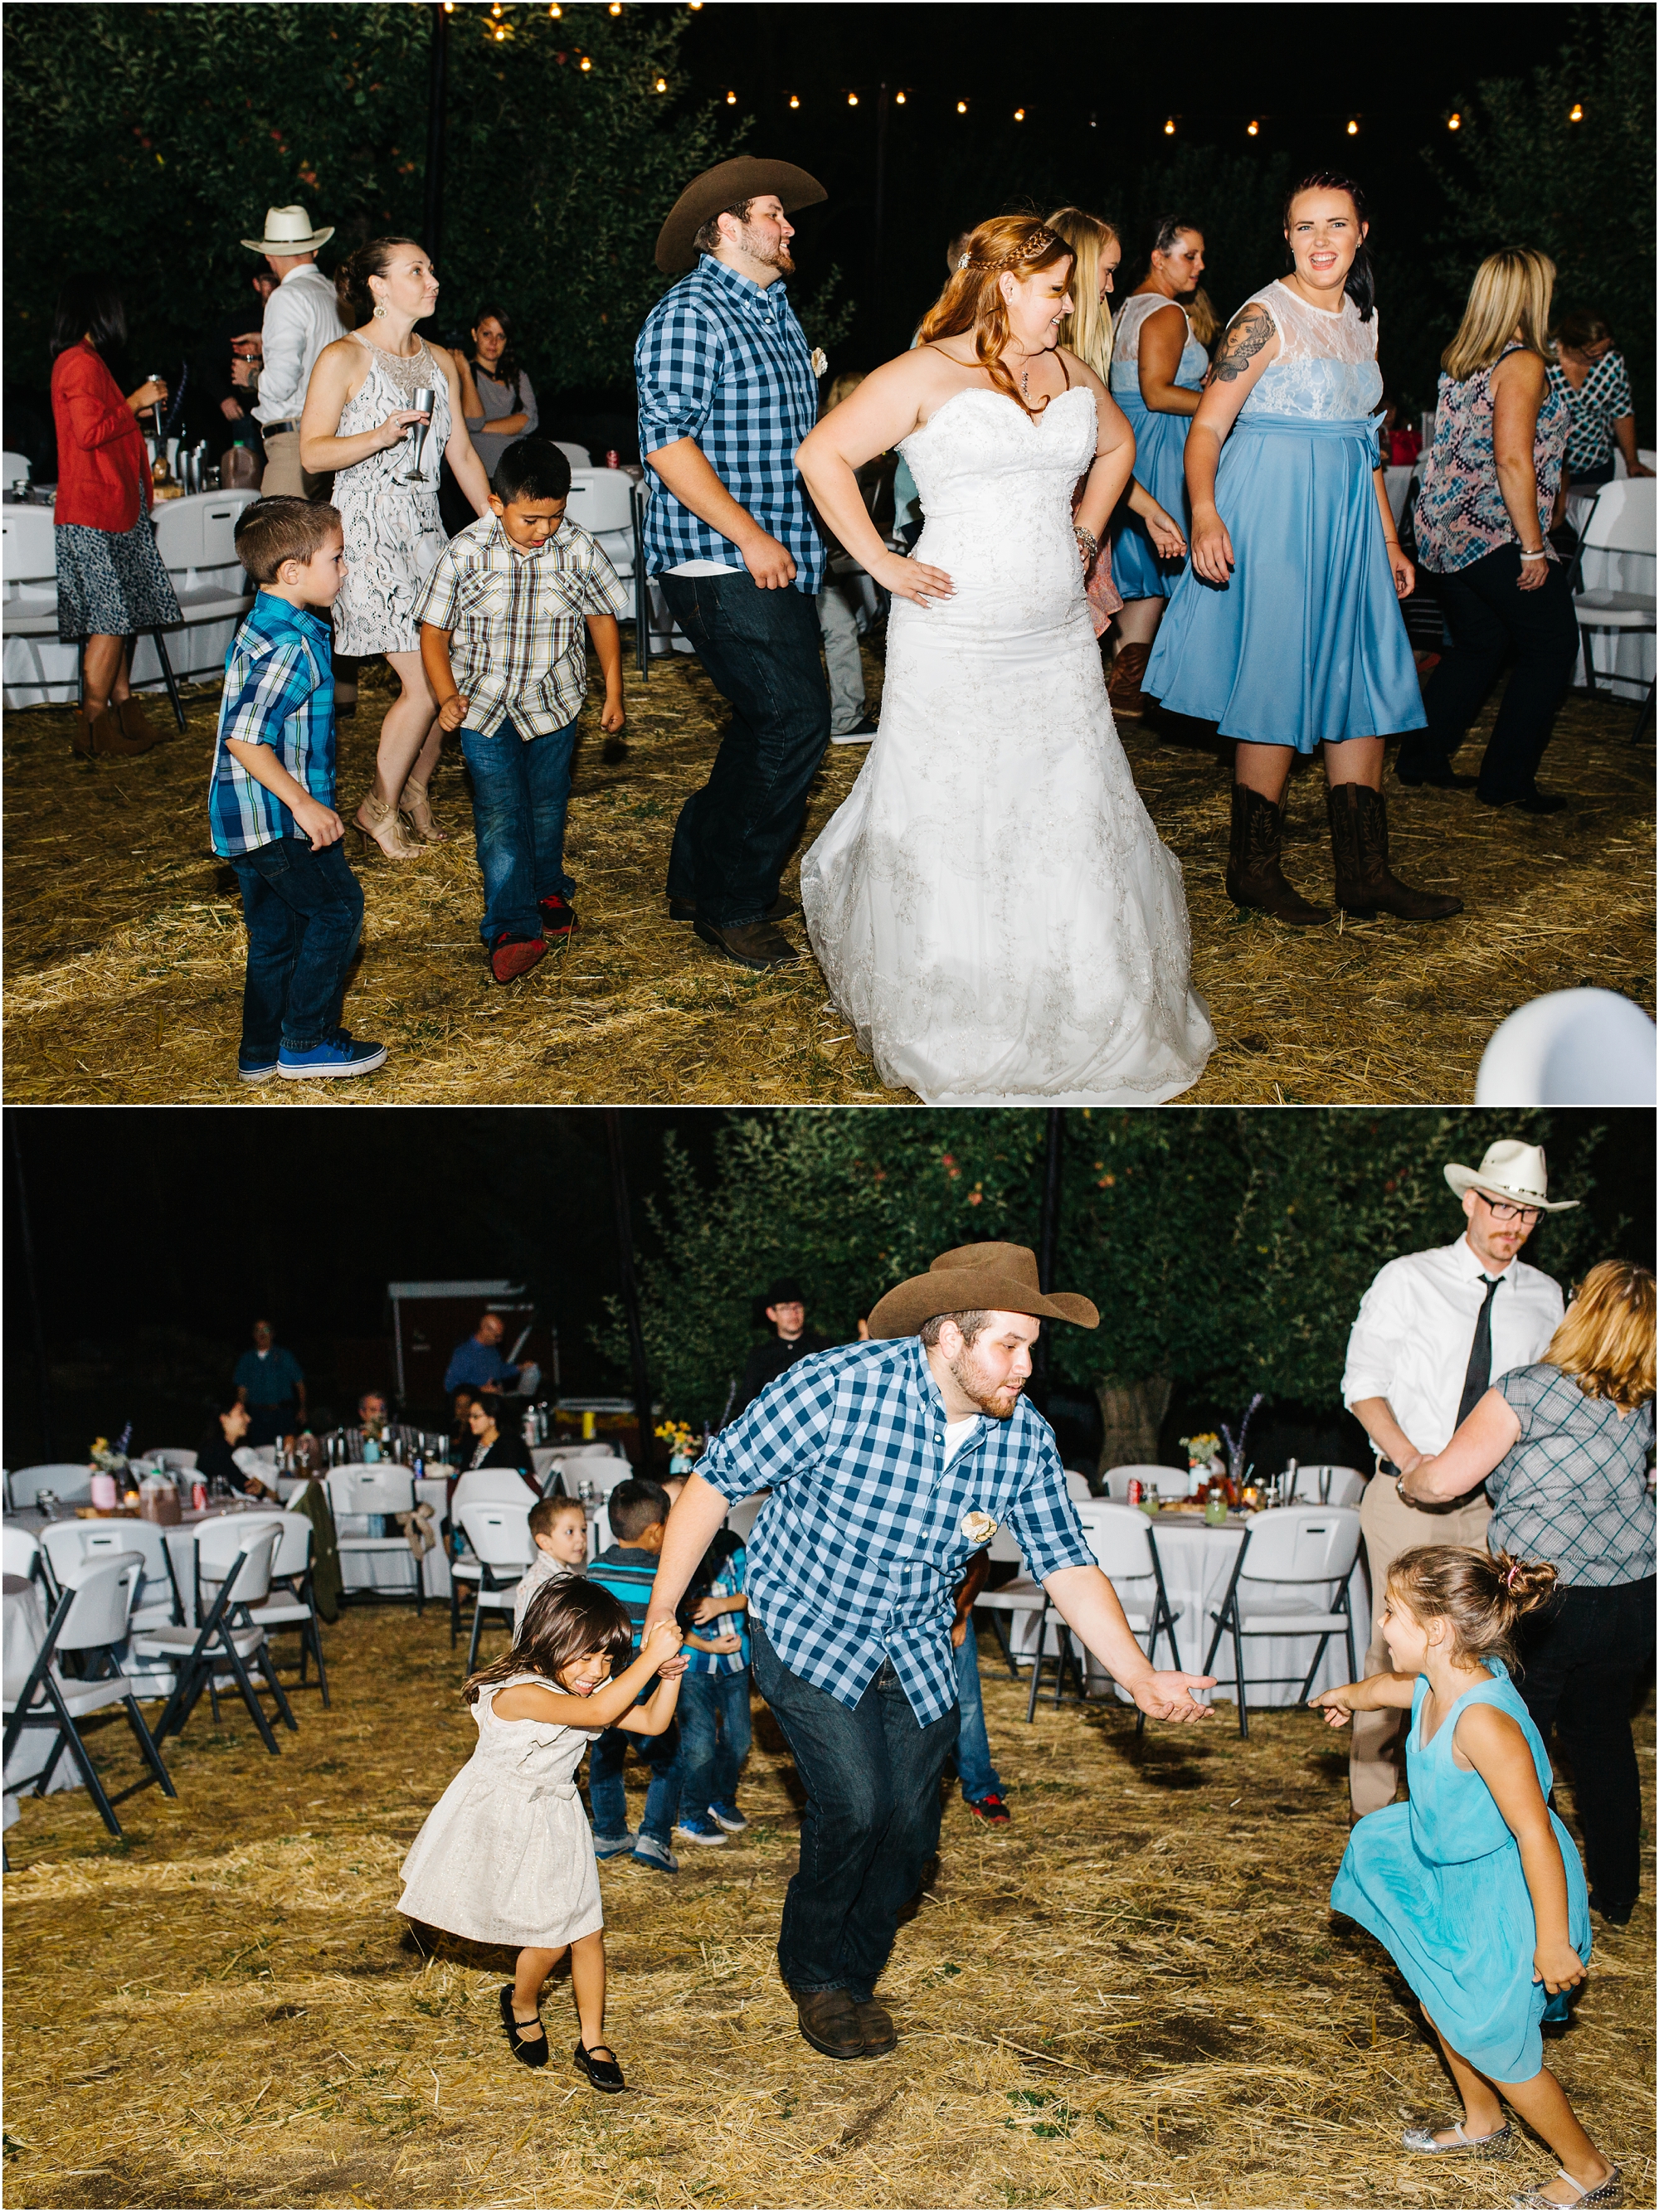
(275, 429)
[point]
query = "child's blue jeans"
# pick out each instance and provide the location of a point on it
(978, 1777)
(608, 1798)
(714, 1737)
(520, 795)
(304, 912)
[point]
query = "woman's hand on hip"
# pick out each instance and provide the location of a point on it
(912, 579)
(1213, 548)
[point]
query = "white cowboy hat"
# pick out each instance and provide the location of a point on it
(1513, 1171)
(288, 230)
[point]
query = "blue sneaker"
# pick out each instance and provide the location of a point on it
(649, 1852)
(728, 1817)
(698, 1828)
(612, 1847)
(256, 1068)
(339, 1054)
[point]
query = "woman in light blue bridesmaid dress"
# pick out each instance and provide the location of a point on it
(1285, 630)
(1158, 371)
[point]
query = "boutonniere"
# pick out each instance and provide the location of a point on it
(820, 361)
(979, 1527)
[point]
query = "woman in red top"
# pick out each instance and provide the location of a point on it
(110, 583)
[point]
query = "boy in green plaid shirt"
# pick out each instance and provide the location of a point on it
(502, 643)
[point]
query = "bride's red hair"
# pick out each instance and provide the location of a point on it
(972, 302)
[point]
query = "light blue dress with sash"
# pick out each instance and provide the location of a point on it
(1438, 1882)
(1137, 571)
(1305, 644)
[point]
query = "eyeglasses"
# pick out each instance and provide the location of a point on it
(1501, 1209)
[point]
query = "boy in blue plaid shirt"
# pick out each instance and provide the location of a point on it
(270, 800)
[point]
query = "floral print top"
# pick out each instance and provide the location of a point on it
(1460, 514)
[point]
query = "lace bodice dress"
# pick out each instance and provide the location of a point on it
(506, 1855)
(1326, 367)
(1126, 347)
(1139, 570)
(393, 531)
(991, 906)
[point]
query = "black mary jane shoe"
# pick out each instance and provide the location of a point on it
(604, 2072)
(527, 2054)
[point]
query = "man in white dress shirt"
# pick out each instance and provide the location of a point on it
(1434, 1331)
(302, 316)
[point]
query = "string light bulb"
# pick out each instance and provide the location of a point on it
(1353, 128)
(587, 64)
(1252, 130)
(1454, 123)
(1168, 128)
(661, 85)
(1020, 115)
(962, 108)
(899, 96)
(616, 7)
(731, 99)
(500, 32)
(556, 11)
(794, 100)
(852, 100)
(1575, 113)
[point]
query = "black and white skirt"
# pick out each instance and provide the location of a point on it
(110, 583)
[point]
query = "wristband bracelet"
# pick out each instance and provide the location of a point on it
(1541, 554)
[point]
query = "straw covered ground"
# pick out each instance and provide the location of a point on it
(125, 946)
(1135, 1995)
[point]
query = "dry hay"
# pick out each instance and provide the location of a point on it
(124, 962)
(1135, 1995)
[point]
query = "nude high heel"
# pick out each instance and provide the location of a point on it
(416, 807)
(377, 823)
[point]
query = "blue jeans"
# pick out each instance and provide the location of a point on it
(979, 1777)
(520, 795)
(871, 1779)
(715, 1734)
(762, 650)
(304, 912)
(608, 1798)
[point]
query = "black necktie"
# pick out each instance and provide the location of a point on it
(1478, 1380)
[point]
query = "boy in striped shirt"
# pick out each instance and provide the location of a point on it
(638, 1513)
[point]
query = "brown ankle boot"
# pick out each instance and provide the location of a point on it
(136, 726)
(1254, 877)
(1359, 844)
(1123, 685)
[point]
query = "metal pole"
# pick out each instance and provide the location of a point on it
(881, 196)
(25, 1233)
(629, 1292)
(437, 73)
(1049, 1233)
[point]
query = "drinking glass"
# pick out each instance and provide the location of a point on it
(425, 401)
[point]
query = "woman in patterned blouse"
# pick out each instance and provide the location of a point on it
(1590, 375)
(1563, 1448)
(1491, 488)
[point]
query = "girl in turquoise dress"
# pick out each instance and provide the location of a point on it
(1475, 1886)
(1286, 629)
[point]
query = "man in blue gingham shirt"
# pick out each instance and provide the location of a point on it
(890, 1463)
(727, 391)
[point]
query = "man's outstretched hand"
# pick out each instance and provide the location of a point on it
(1168, 1696)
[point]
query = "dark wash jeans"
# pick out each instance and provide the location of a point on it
(607, 1793)
(520, 796)
(871, 1777)
(764, 652)
(1488, 613)
(1583, 1657)
(304, 912)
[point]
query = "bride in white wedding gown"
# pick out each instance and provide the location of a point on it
(991, 906)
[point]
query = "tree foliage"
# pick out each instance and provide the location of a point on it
(1225, 1250)
(150, 139)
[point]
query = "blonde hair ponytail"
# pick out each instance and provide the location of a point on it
(1087, 330)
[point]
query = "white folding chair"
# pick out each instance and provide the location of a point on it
(69, 1481)
(90, 1621)
(13, 470)
(1162, 1481)
(500, 1540)
(1329, 1486)
(1020, 1596)
(1126, 1551)
(354, 1492)
(1582, 1048)
(70, 1546)
(482, 1486)
(1621, 521)
(172, 1456)
(22, 1555)
(1077, 1488)
(1308, 1544)
(228, 1638)
(601, 500)
(741, 1517)
(578, 456)
(294, 1604)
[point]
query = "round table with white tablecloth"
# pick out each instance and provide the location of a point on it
(1197, 1562)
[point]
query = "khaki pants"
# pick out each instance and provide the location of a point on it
(283, 477)
(1390, 1527)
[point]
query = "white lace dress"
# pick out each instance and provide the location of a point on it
(991, 906)
(506, 1855)
(393, 532)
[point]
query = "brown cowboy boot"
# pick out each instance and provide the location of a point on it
(1359, 844)
(1254, 877)
(1123, 685)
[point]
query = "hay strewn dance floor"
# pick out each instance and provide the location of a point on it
(1135, 1995)
(124, 949)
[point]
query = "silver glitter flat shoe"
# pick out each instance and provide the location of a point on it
(1610, 2191)
(1499, 2145)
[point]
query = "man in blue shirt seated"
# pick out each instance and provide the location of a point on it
(270, 1382)
(478, 1361)
(890, 1463)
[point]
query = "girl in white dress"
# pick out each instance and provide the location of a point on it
(506, 1855)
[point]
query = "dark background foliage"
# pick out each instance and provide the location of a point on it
(150, 138)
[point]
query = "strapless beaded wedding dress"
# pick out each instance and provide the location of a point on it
(991, 906)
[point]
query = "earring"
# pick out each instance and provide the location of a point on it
(379, 312)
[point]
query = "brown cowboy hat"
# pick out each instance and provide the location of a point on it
(727, 186)
(995, 1278)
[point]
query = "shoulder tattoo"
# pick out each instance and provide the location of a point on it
(1248, 332)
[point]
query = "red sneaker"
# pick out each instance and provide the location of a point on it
(991, 1809)
(512, 956)
(558, 916)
